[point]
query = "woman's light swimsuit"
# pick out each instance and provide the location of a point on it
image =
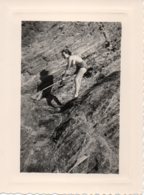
(81, 65)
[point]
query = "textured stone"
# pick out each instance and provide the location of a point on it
(83, 135)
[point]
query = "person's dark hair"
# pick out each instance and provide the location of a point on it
(67, 51)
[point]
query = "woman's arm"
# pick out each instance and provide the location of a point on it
(68, 66)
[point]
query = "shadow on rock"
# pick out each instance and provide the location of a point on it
(46, 85)
(112, 77)
(69, 104)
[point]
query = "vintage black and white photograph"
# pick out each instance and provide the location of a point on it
(70, 97)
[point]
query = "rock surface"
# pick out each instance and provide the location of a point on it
(82, 135)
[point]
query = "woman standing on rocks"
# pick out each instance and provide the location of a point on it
(81, 68)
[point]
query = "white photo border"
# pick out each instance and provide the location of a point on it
(129, 180)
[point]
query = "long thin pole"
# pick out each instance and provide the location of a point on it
(52, 84)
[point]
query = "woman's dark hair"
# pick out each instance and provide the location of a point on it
(67, 51)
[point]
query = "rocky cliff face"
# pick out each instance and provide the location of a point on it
(82, 135)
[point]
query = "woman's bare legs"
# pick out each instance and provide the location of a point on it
(78, 80)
